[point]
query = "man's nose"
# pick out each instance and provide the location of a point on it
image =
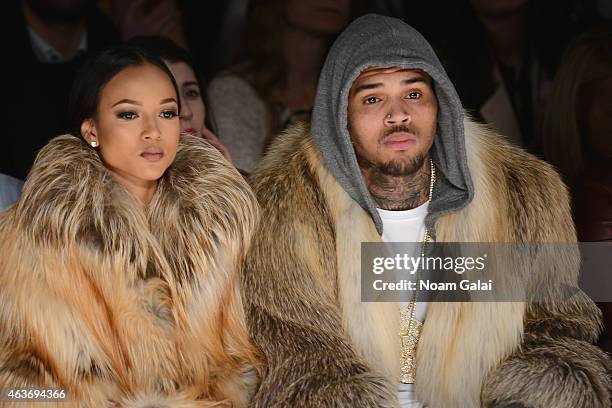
(397, 115)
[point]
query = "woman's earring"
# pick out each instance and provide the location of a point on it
(94, 143)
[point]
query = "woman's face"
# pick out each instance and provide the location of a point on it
(136, 126)
(193, 112)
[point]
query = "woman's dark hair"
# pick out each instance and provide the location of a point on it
(170, 51)
(97, 71)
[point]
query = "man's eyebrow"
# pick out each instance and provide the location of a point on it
(366, 87)
(414, 80)
(375, 85)
(130, 101)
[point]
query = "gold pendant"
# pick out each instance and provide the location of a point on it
(410, 328)
(409, 335)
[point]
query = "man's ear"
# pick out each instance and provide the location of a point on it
(89, 132)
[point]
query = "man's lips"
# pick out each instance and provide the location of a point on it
(152, 154)
(399, 141)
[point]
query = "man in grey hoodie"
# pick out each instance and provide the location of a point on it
(391, 156)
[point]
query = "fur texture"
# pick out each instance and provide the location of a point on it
(326, 348)
(109, 300)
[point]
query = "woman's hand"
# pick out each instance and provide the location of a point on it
(214, 140)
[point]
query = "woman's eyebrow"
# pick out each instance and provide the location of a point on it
(167, 100)
(130, 101)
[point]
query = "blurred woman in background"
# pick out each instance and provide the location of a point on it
(285, 44)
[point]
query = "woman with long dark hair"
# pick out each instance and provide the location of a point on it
(118, 274)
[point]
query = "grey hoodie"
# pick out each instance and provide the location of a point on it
(377, 41)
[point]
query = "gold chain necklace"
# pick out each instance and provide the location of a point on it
(410, 327)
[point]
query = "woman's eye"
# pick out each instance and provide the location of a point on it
(414, 95)
(169, 114)
(192, 93)
(371, 100)
(127, 115)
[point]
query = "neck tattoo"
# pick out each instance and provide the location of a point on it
(398, 192)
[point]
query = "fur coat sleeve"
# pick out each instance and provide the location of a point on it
(290, 300)
(556, 363)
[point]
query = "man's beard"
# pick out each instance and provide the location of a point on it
(400, 168)
(394, 168)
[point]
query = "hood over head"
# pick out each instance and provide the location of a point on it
(378, 41)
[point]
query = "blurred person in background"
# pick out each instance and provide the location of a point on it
(577, 138)
(49, 41)
(274, 86)
(502, 54)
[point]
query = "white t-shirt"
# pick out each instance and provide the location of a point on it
(406, 226)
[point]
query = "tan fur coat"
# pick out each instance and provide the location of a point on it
(325, 348)
(109, 300)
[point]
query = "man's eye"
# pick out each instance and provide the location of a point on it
(169, 114)
(414, 95)
(371, 100)
(127, 115)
